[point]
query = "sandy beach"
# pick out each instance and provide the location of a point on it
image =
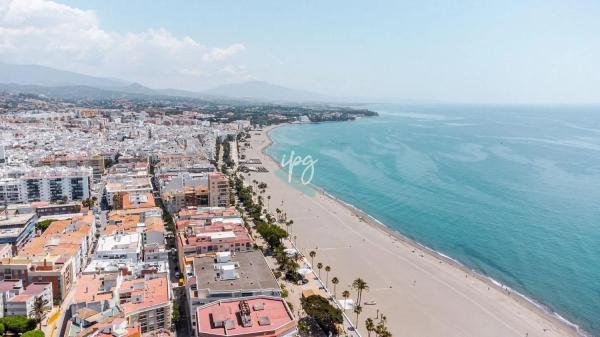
(420, 292)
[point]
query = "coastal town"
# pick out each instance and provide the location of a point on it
(136, 218)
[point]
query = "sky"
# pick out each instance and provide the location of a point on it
(454, 51)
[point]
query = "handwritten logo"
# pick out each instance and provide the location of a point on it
(307, 162)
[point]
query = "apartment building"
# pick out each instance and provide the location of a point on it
(96, 291)
(94, 162)
(52, 184)
(8, 290)
(258, 316)
(119, 247)
(17, 230)
(23, 303)
(218, 190)
(214, 277)
(55, 269)
(72, 237)
(146, 302)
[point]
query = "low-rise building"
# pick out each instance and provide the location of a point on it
(146, 302)
(96, 291)
(23, 303)
(258, 316)
(8, 290)
(119, 247)
(17, 230)
(55, 269)
(218, 276)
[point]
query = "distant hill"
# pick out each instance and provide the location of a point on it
(261, 90)
(46, 76)
(67, 84)
(67, 92)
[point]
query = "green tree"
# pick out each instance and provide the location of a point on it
(18, 324)
(370, 325)
(357, 311)
(345, 295)
(34, 333)
(312, 255)
(43, 225)
(319, 266)
(360, 285)
(335, 282)
(176, 314)
(327, 269)
(41, 307)
(325, 314)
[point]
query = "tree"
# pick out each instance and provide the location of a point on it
(370, 325)
(271, 233)
(43, 225)
(303, 326)
(268, 202)
(40, 308)
(18, 324)
(357, 311)
(325, 314)
(176, 314)
(312, 255)
(360, 285)
(335, 282)
(33, 333)
(327, 269)
(345, 295)
(319, 266)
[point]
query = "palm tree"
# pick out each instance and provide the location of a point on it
(370, 325)
(360, 285)
(40, 308)
(357, 311)
(327, 269)
(345, 295)
(319, 266)
(289, 224)
(335, 281)
(312, 255)
(268, 203)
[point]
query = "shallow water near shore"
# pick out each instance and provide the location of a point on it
(509, 191)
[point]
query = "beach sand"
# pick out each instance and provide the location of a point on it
(421, 293)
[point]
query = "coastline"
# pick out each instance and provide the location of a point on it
(541, 314)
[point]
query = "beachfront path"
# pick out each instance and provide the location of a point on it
(420, 294)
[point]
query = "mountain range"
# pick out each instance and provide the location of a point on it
(53, 82)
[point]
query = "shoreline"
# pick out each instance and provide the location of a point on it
(545, 313)
(376, 223)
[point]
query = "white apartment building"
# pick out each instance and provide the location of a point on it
(29, 184)
(126, 247)
(22, 304)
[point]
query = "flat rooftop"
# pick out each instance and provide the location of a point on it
(16, 220)
(266, 314)
(253, 273)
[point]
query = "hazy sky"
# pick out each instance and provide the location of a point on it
(477, 51)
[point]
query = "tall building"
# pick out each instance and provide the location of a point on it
(218, 190)
(95, 162)
(25, 184)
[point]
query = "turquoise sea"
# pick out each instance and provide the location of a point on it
(512, 192)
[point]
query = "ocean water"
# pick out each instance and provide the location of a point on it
(512, 192)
